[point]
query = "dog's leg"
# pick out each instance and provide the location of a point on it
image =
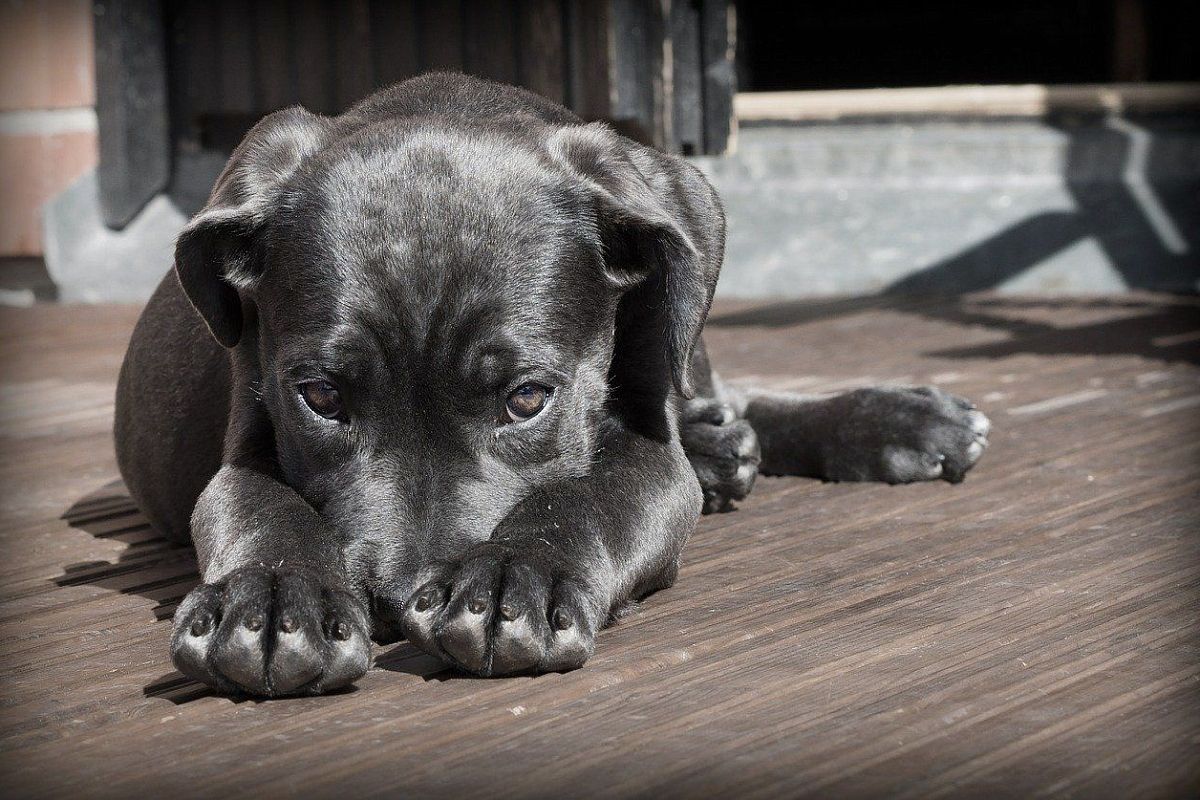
(897, 434)
(276, 614)
(532, 597)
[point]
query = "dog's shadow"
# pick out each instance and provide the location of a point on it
(150, 566)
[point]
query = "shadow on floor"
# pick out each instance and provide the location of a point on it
(150, 566)
(1166, 332)
(1152, 328)
(1134, 195)
(408, 659)
(1127, 198)
(180, 689)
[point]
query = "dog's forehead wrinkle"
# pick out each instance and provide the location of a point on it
(436, 195)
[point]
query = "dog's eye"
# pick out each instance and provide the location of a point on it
(526, 401)
(322, 397)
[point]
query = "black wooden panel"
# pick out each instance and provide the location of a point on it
(394, 40)
(131, 107)
(312, 54)
(232, 61)
(351, 52)
(272, 53)
(441, 35)
(541, 48)
(489, 39)
(687, 78)
(718, 37)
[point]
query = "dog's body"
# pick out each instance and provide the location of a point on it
(445, 382)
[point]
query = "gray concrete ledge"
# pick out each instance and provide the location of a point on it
(1022, 206)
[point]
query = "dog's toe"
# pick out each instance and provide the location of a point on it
(979, 424)
(464, 637)
(519, 645)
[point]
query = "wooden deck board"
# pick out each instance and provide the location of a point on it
(1033, 631)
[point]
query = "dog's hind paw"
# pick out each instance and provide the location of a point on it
(905, 434)
(502, 610)
(270, 633)
(723, 450)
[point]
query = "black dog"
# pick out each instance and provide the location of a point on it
(445, 381)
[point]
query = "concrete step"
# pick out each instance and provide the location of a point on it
(1091, 206)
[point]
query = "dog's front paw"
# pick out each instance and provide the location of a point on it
(723, 450)
(271, 632)
(907, 434)
(502, 611)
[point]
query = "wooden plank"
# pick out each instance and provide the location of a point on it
(1029, 632)
(441, 29)
(236, 76)
(541, 48)
(275, 85)
(588, 84)
(311, 55)
(131, 108)
(192, 37)
(718, 44)
(1130, 51)
(687, 79)
(489, 39)
(394, 40)
(637, 40)
(352, 59)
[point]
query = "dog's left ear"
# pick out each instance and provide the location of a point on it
(661, 230)
(217, 256)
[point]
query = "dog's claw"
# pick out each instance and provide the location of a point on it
(201, 625)
(562, 619)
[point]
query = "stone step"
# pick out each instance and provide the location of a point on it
(1096, 205)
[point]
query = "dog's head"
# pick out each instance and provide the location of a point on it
(435, 318)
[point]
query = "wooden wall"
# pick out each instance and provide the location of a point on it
(660, 70)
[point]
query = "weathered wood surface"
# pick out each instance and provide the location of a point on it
(1031, 631)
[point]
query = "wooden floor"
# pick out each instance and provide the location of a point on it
(1033, 631)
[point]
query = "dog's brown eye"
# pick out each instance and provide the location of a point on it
(527, 401)
(322, 397)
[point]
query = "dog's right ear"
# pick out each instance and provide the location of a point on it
(217, 256)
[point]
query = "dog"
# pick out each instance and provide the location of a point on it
(433, 369)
